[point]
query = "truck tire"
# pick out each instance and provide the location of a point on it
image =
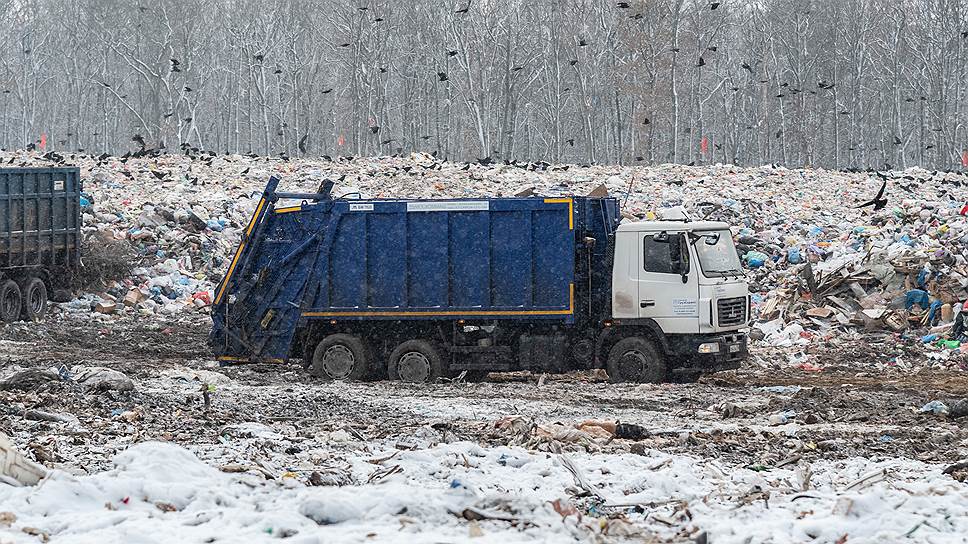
(415, 361)
(636, 359)
(10, 301)
(34, 296)
(340, 357)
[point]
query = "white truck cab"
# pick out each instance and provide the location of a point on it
(685, 279)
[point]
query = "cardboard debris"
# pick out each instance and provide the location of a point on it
(822, 312)
(15, 469)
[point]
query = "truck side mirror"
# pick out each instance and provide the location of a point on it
(682, 243)
(661, 237)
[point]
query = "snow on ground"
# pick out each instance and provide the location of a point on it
(160, 492)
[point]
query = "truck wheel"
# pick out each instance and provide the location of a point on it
(415, 361)
(34, 296)
(9, 301)
(635, 359)
(340, 357)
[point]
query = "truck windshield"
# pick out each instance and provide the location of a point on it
(717, 259)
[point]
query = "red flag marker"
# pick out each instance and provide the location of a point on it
(704, 145)
(964, 158)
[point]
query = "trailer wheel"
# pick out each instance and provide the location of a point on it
(635, 359)
(34, 296)
(415, 361)
(340, 357)
(9, 301)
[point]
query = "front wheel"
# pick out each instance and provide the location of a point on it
(415, 361)
(636, 359)
(340, 357)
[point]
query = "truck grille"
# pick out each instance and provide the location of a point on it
(731, 311)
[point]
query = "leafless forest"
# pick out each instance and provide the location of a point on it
(832, 83)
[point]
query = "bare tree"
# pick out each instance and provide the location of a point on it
(833, 83)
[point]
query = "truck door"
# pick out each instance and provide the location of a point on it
(668, 283)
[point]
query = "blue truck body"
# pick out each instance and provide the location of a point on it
(400, 260)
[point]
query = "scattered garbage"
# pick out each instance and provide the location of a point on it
(935, 407)
(102, 379)
(958, 409)
(782, 418)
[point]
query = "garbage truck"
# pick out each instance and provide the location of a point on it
(416, 290)
(40, 237)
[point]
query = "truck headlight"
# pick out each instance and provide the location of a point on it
(709, 347)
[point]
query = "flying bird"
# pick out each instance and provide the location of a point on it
(713, 5)
(878, 201)
(442, 76)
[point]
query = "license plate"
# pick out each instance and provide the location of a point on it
(734, 348)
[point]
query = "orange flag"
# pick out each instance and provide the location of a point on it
(964, 158)
(704, 145)
(341, 140)
(43, 141)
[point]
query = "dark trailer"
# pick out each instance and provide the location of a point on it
(418, 288)
(40, 237)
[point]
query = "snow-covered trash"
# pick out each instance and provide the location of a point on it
(438, 494)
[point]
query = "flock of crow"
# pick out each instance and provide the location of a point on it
(878, 202)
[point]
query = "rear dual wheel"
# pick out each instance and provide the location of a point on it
(26, 299)
(10, 301)
(416, 361)
(33, 294)
(341, 357)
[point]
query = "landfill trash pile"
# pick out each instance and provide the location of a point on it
(821, 269)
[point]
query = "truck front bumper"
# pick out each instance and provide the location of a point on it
(705, 353)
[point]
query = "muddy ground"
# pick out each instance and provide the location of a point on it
(762, 415)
